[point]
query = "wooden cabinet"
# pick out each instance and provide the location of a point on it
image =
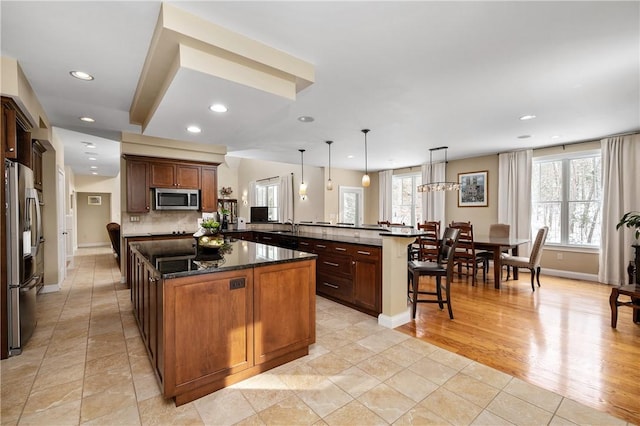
(36, 164)
(9, 132)
(205, 332)
(138, 197)
(209, 189)
(345, 272)
(171, 175)
(230, 205)
(151, 172)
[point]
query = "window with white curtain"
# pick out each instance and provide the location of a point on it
(267, 195)
(406, 207)
(566, 196)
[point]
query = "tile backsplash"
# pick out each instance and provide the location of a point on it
(154, 221)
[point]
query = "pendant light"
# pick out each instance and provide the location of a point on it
(438, 186)
(302, 191)
(329, 182)
(366, 181)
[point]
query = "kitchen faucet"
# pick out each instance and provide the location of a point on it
(293, 226)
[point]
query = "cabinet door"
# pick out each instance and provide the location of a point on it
(37, 167)
(9, 133)
(367, 279)
(162, 175)
(138, 187)
(209, 197)
(187, 176)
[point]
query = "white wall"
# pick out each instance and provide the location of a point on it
(89, 183)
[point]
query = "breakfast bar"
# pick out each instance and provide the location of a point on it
(210, 318)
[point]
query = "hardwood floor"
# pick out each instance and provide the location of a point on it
(559, 338)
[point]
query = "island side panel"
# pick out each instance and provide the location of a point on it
(285, 309)
(208, 322)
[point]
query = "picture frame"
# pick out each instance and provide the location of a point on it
(94, 200)
(474, 189)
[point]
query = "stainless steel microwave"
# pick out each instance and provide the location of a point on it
(177, 199)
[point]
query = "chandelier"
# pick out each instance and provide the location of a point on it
(438, 186)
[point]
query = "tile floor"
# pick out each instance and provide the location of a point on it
(86, 365)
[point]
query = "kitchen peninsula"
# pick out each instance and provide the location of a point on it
(210, 320)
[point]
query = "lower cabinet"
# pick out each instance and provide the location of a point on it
(205, 332)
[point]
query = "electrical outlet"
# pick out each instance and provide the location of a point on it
(134, 218)
(559, 256)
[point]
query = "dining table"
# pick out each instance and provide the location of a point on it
(497, 245)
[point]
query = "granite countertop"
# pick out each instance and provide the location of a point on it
(178, 258)
(375, 242)
(157, 234)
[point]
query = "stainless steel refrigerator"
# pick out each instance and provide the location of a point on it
(24, 233)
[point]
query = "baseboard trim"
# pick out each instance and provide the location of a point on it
(50, 288)
(570, 274)
(89, 245)
(395, 320)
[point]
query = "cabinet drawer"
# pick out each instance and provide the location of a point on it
(339, 287)
(330, 264)
(363, 253)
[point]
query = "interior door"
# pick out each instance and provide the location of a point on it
(351, 205)
(62, 234)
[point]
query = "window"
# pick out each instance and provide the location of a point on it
(405, 203)
(566, 195)
(267, 195)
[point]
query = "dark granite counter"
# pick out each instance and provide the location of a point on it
(178, 258)
(374, 242)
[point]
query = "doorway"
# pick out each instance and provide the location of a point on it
(351, 205)
(94, 212)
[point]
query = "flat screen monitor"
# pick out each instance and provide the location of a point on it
(259, 214)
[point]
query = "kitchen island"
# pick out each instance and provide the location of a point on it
(209, 320)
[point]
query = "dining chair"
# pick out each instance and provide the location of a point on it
(428, 246)
(496, 230)
(532, 263)
(443, 267)
(465, 254)
(113, 229)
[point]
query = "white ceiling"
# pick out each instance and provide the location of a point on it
(418, 74)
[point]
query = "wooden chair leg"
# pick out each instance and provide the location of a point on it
(448, 293)
(533, 274)
(538, 276)
(439, 292)
(414, 283)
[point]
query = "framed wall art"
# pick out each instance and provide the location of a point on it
(94, 200)
(474, 190)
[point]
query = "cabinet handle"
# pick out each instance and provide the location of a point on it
(152, 280)
(364, 252)
(330, 285)
(341, 249)
(330, 263)
(302, 243)
(321, 246)
(147, 207)
(266, 238)
(11, 149)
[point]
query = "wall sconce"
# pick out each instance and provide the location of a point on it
(302, 191)
(244, 198)
(366, 181)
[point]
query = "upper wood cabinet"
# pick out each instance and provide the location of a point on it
(168, 175)
(209, 192)
(15, 132)
(36, 164)
(138, 198)
(145, 173)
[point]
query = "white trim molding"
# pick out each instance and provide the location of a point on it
(570, 274)
(394, 321)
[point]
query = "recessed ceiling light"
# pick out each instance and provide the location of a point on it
(92, 159)
(93, 167)
(194, 129)
(81, 75)
(91, 153)
(218, 108)
(87, 119)
(555, 137)
(527, 117)
(349, 156)
(524, 136)
(305, 119)
(94, 173)
(89, 145)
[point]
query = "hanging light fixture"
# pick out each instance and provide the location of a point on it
(329, 182)
(365, 179)
(438, 186)
(302, 191)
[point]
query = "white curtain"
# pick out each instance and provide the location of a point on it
(385, 207)
(252, 193)
(433, 202)
(514, 193)
(285, 199)
(620, 194)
